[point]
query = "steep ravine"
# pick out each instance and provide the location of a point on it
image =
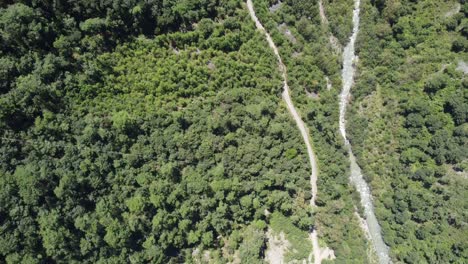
(356, 177)
(319, 253)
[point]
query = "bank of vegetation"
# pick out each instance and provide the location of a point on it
(408, 125)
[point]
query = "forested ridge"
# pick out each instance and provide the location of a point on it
(154, 131)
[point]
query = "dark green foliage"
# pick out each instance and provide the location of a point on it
(150, 131)
(22, 28)
(408, 127)
(456, 106)
(118, 148)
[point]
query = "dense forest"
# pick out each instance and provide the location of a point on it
(125, 140)
(154, 131)
(409, 125)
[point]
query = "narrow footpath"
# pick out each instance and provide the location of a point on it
(318, 252)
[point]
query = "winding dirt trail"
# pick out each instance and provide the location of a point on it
(319, 253)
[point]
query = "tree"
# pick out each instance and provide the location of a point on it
(22, 28)
(435, 83)
(251, 248)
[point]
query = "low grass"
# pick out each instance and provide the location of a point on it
(301, 246)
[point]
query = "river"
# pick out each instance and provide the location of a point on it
(356, 177)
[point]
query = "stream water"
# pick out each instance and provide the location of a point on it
(356, 177)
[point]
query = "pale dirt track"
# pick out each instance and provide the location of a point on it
(318, 253)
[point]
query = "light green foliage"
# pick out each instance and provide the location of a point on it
(300, 244)
(252, 245)
(340, 15)
(93, 25)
